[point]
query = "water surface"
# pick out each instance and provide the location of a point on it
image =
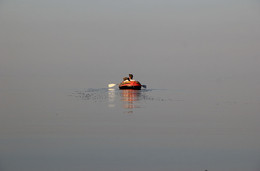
(199, 59)
(112, 129)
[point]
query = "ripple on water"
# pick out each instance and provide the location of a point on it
(104, 94)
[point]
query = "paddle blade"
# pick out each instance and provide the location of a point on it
(144, 86)
(111, 85)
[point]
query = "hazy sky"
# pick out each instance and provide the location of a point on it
(95, 40)
(205, 53)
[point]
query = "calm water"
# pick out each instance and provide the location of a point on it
(111, 129)
(200, 60)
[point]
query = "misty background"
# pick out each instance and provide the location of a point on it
(200, 60)
(92, 43)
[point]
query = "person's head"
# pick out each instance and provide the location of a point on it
(131, 76)
(125, 78)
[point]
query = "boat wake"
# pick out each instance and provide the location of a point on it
(107, 94)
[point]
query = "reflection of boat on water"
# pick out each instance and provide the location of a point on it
(126, 98)
(129, 97)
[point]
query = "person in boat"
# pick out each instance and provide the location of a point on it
(131, 77)
(130, 83)
(125, 80)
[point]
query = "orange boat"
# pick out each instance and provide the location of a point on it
(135, 85)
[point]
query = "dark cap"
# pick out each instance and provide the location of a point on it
(131, 75)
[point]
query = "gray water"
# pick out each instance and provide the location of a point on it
(112, 129)
(199, 59)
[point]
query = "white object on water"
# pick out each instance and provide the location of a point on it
(111, 85)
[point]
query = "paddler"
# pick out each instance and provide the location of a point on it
(125, 80)
(131, 77)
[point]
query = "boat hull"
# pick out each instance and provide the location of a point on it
(131, 87)
(134, 85)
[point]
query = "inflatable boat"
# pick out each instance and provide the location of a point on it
(135, 85)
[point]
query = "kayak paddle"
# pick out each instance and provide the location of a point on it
(113, 85)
